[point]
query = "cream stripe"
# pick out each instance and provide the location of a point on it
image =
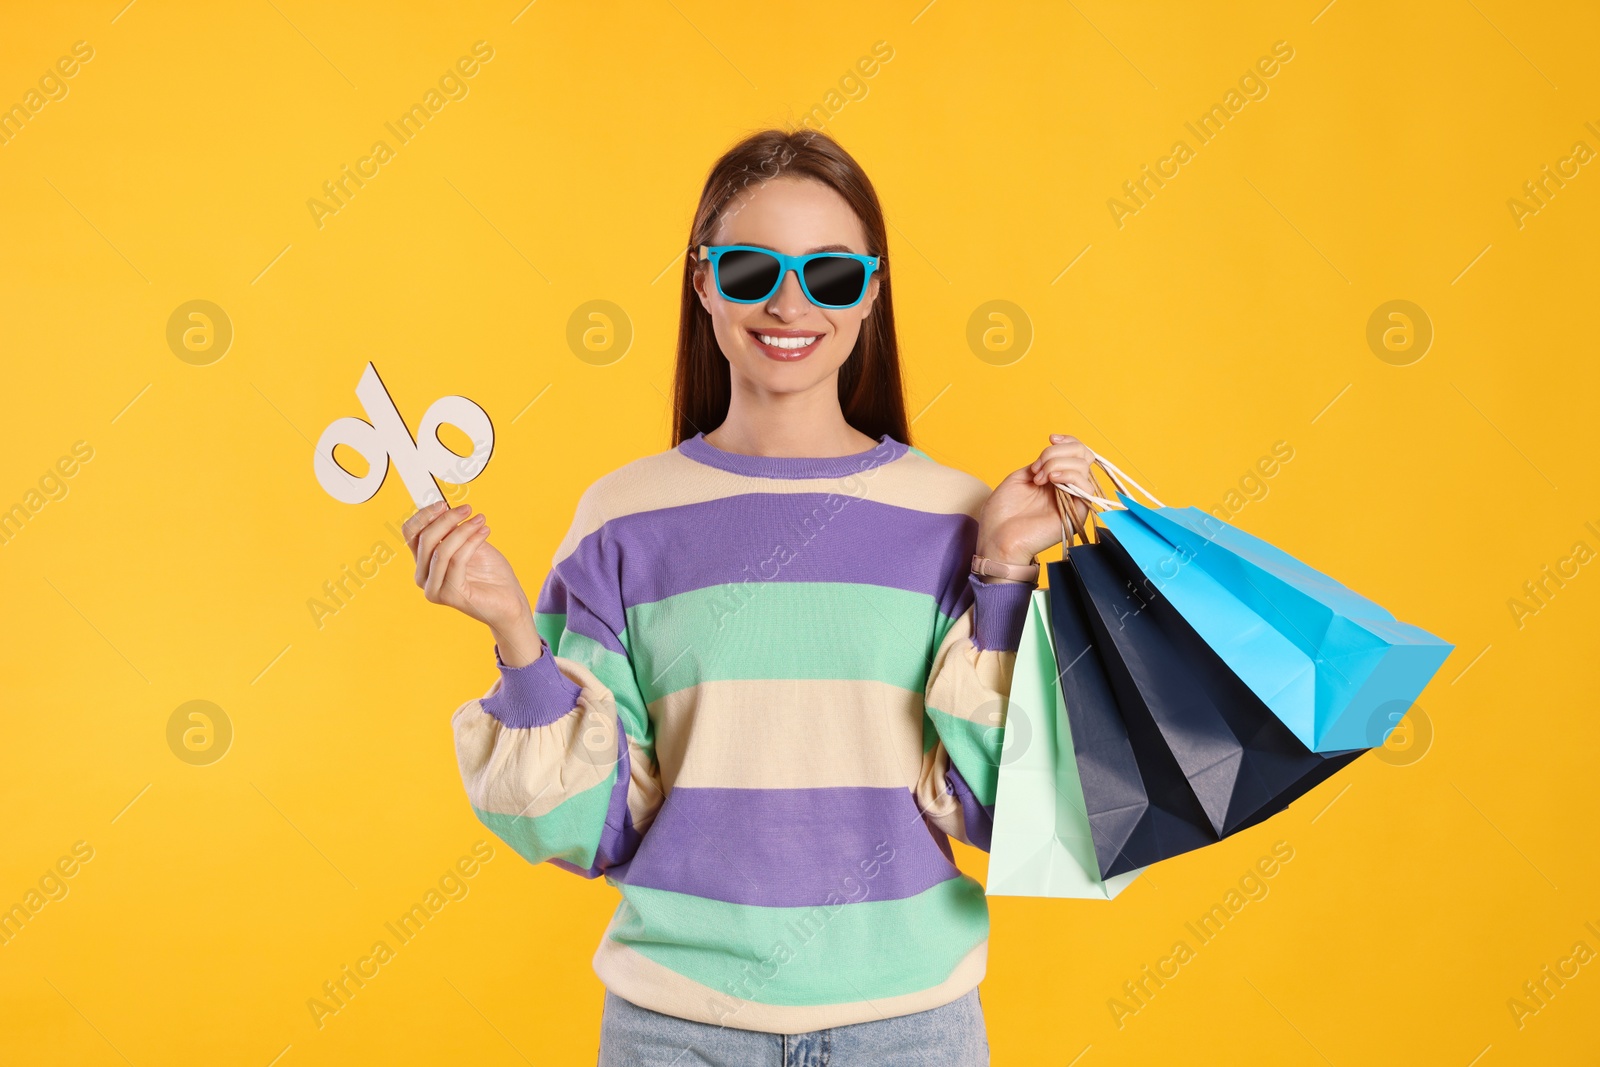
(643, 981)
(934, 798)
(671, 479)
(644, 787)
(534, 772)
(967, 688)
(529, 771)
(788, 734)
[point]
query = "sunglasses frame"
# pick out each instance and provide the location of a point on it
(797, 264)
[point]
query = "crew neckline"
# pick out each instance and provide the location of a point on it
(887, 450)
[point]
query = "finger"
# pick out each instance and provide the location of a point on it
(439, 564)
(420, 518)
(416, 527)
(1084, 473)
(419, 522)
(1072, 447)
(429, 539)
(456, 575)
(1058, 462)
(432, 534)
(1055, 469)
(1067, 439)
(1080, 479)
(1063, 451)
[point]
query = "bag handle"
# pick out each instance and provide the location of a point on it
(1119, 477)
(1064, 509)
(1069, 522)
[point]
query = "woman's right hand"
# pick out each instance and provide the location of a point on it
(457, 566)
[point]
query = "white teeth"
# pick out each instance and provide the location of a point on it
(786, 342)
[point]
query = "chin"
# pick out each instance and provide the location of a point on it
(778, 378)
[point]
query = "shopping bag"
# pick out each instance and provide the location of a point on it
(1239, 760)
(1138, 802)
(1340, 671)
(1041, 843)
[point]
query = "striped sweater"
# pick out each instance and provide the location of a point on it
(770, 690)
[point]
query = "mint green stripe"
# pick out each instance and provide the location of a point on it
(974, 748)
(817, 955)
(551, 626)
(615, 671)
(942, 629)
(761, 630)
(570, 831)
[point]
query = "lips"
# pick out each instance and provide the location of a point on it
(799, 344)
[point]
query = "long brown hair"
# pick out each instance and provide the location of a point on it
(870, 391)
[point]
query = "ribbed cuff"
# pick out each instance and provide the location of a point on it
(535, 695)
(1000, 609)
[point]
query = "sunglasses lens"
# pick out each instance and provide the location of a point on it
(746, 275)
(836, 281)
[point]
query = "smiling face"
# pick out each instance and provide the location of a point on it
(786, 344)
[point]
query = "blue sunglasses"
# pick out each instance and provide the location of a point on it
(746, 274)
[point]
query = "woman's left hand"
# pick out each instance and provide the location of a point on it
(1020, 520)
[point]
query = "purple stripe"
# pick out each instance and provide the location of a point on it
(789, 847)
(784, 537)
(887, 450)
(1001, 611)
(618, 838)
(533, 695)
(979, 818)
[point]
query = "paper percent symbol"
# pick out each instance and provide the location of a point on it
(422, 462)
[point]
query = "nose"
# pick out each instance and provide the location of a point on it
(789, 302)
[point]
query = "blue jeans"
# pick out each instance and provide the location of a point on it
(951, 1035)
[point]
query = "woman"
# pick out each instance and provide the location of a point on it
(763, 682)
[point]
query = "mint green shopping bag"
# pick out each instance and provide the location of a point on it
(1041, 845)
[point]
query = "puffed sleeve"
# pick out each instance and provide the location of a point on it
(969, 685)
(558, 757)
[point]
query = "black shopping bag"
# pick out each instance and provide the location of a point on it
(1239, 761)
(1139, 803)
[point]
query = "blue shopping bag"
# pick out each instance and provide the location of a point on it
(1336, 668)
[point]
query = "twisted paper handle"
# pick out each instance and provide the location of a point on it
(1120, 480)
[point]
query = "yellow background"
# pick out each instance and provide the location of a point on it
(1227, 315)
